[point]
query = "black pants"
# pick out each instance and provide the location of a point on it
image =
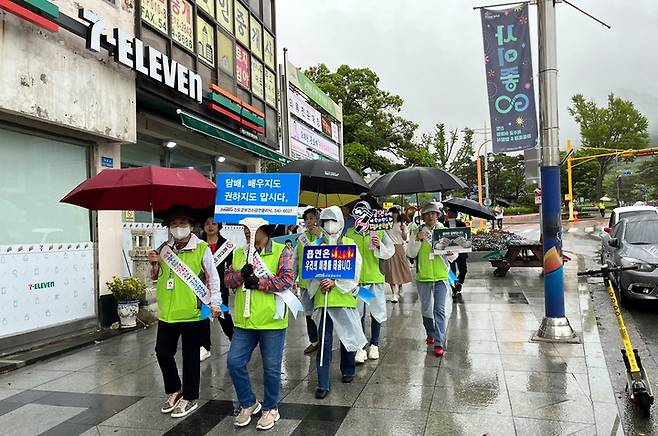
(165, 350)
(311, 329)
(461, 264)
(226, 323)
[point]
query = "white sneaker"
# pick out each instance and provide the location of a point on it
(204, 354)
(361, 356)
(373, 353)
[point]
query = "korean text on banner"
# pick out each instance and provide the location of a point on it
(309, 88)
(329, 262)
(508, 66)
(273, 197)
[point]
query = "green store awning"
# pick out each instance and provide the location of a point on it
(214, 131)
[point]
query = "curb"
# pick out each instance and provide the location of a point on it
(53, 349)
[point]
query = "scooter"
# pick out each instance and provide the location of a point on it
(638, 386)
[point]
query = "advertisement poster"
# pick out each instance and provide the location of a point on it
(257, 84)
(457, 240)
(314, 141)
(268, 49)
(154, 12)
(208, 6)
(256, 37)
(225, 53)
(205, 34)
(510, 85)
(243, 66)
(45, 285)
(298, 106)
(270, 88)
(225, 14)
(310, 89)
(271, 196)
(329, 262)
(326, 126)
(241, 24)
(181, 23)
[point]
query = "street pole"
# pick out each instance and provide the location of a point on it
(570, 181)
(555, 326)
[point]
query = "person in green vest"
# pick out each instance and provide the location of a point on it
(312, 233)
(602, 208)
(341, 312)
(431, 278)
(260, 318)
(374, 246)
(179, 310)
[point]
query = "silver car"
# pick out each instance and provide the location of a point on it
(634, 242)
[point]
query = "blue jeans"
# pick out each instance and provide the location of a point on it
(433, 308)
(347, 362)
(375, 329)
(271, 350)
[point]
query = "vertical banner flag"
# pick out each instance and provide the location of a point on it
(510, 87)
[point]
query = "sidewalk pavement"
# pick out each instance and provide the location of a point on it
(491, 381)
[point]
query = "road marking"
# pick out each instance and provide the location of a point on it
(589, 229)
(572, 230)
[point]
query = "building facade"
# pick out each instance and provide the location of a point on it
(81, 93)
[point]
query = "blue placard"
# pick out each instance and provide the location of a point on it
(107, 162)
(273, 197)
(329, 262)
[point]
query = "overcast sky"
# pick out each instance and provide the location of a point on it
(430, 52)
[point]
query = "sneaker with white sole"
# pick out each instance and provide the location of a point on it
(361, 356)
(171, 402)
(244, 417)
(268, 419)
(204, 354)
(184, 408)
(373, 353)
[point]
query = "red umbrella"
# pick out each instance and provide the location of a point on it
(146, 189)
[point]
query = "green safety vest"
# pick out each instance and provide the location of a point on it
(300, 258)
(335, 298)
(180, 304)
(370, 271)
(430, 270)
(263, 304)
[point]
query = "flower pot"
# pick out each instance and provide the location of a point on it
(127, 311)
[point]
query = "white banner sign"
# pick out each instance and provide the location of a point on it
(304, 111)
(45, 285)
(314, 141)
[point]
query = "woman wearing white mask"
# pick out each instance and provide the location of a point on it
(179, 310)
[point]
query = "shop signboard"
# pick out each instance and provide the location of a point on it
(329, 262)
(207, 5)
(270, 196)
(298, 106)
(306, 85)
(257, 78)
(268, 50)
(45, 285)
(243, 66)
(181, 23)
(225, 53)
(313, 140)
(205, 34)
(270, 88)
(154, 12)
(225, 14)
(241, 24)
(300, 151)
(326, 126)
(256, 37)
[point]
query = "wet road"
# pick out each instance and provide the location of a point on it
(641, 321)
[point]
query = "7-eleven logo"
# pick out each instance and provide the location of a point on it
(40, 12)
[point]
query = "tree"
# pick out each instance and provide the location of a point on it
(618, 126)
(582, 175)
(506, 176)
(372, 125)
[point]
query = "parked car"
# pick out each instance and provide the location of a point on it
(634, 242)
(619, 213)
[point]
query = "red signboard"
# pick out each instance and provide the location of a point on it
(243, 66)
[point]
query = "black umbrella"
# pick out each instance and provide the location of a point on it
(502, 202)
(326, 183)
(415, 180)
(473, 208)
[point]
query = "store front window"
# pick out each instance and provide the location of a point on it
(35, 173)
(185, 158)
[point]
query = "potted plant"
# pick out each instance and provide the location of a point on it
(127, 292)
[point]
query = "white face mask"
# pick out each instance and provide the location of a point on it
(331, 227)
(180, 232)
